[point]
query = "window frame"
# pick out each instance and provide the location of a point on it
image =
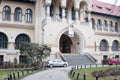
(103, 45)
(18, 14)
(6, 13)
(21, 38)
(3, 41)
(115, 45)
(28, 15)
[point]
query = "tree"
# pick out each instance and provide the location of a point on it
(35, 52)
(29, 49)
(15, 62)
(43, 52)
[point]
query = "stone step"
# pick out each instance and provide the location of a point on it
(77, 59)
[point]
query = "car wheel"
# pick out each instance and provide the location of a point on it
(51, 65)
(65, 65)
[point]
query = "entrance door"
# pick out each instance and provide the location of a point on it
(65, 44)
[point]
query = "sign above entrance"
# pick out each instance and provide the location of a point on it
(71, 31)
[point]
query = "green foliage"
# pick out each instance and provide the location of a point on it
(89, 76)
(28, 49)
(34, 51)
(43, 51)
(4, 73)
(15, 62)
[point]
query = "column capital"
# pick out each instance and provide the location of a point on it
(63, 3)
(77, 14)
(63, 12)
(48, 2)
(76, 5)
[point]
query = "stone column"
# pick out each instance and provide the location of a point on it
(48, 4)
(38, 19)
(56, 16)
(76, 15)
(12, 17)
(102, 25)
(63, 14)
(48, 11)
(63, 6)
(89, 16)
(113, 28)
(81, 15)
(63, 3)
(97, 48)
(77, 8)
(108, 28)
(23, 19)
(110, 48)
(11, 45)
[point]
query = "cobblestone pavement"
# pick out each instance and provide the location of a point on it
(50, 74)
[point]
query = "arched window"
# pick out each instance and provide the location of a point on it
(115, 45)
(6, 13)
(3, 41)
(111, 26)
(103, 45)
(98, 24)
(105, 25)
(51, 10)
(116, 27)
(93, 23)
(28, 15)
(60, 12)
(18, 14)
(21, 39)
(73, 13)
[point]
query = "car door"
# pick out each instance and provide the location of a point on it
(119, 61)
(60, 63)
(54, 62)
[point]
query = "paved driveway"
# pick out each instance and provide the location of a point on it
(50, 74)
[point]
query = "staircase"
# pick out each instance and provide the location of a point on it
(77, 59)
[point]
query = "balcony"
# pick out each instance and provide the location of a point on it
(16, 24)
(116, 34)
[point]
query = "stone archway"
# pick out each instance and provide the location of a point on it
(69, 44)
(65, 44)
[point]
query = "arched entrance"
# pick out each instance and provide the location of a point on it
(71, 45)
(65, 44)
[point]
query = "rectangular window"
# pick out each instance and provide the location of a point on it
(23, 59)
(116, 56)
(105, 57)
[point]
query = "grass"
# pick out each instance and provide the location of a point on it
(4, 73)
(88, 72)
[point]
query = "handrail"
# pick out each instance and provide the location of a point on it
(61, 56)
(91, 57)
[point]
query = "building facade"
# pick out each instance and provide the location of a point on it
(67, 26)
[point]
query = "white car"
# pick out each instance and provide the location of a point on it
(57, 62)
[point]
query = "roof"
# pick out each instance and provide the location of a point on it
(105, 8)
(25, 1)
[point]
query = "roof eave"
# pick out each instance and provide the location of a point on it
(105, 14)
